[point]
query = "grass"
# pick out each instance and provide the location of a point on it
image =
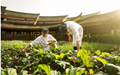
(65, 46)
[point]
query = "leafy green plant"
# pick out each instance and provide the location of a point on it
(102, 60)
(82, 71)
(61, 56)
(46, 68)
(36, 61)
(112, 69)
(72, 71)
(8, 71)
(85, 56)
(98, 52)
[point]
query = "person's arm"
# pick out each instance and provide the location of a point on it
(26, 47)
(69, 37)
(36, 41)
(23, 50)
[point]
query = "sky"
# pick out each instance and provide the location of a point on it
(71, 8)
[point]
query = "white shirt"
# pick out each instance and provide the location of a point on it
(43, 41)
(76, 30)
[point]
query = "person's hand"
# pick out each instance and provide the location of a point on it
(22, 51)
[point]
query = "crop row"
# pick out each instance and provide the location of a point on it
(36, 61)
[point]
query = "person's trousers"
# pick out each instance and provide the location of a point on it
(75, 48)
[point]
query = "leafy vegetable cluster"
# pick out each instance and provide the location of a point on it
(37, 61)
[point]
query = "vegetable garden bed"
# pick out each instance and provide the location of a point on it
(55, 62)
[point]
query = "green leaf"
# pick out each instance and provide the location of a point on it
(12, 71)
(3, 71)
(101, 60)
(91, 71)
(100, 73)
(82, 71)
(98, 52)
(69, 70)
(52, 49)
(112, 69)
(85, 56)
(106, 54)
(72, 71)
(57, 57)
(62, 55)
(54, 72)
(63, 64)
(46, 68)
(23, 72)
(38, 70)
(17, 47)
(25, 67)
(70, 58)
(41, 51)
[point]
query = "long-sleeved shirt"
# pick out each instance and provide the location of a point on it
(43, 41)
(76, 30)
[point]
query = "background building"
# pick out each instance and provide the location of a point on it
(27, 26)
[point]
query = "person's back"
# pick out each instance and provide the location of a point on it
(74, 27)
(72, 23)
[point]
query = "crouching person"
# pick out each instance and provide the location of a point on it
(45, 40)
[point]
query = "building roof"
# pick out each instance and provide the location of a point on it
(19, 21)
(103, 18)
(21, 14)
(3, 9)
(3, 12)
(51, 19)
(80, 17)
(26, 27)
(73, 18)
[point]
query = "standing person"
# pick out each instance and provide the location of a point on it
(74, 29)
(42, 40)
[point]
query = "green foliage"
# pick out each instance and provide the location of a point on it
(17, 47)
(112, 69)
(106, 54)
(55, 72)
(53, 49)
(3, 71)
(12, 71)
(41, 51)
(104, 38)
(98, 52)
(65, 48)
(70, 58)
(91, 71)
(36, 61)
(102, 60)
(23, 72)
(61, 56)
(100, 73)
(72, 71)
(82, 71)
(8, 71)
(46, 68)
(63, 64)
(85, 56)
